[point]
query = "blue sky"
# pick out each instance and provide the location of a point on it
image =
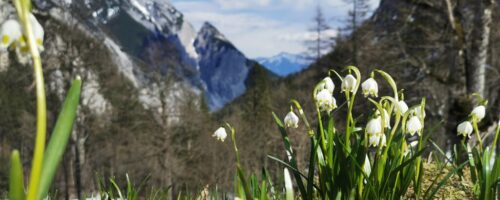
(263, 28)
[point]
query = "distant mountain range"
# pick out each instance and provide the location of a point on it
(284, 63)
(155, 35)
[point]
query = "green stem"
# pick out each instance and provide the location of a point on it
(23, 12)
(478, 136)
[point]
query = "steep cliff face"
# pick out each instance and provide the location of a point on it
(223, 68)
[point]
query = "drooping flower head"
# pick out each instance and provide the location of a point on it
(465, 129)
(370, 87)
(349, 83)
(413, 125)
(291, 120)
(376, 139)
(478, 113)
(327, 84)
(37, 31)
(10, 32)
(220, 134)
(325, 100)
(403, 107)
(374, 126)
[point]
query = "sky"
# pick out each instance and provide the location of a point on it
(264, 28)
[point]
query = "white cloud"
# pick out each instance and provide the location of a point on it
(242, 4)
(263, 27)
(304, 36)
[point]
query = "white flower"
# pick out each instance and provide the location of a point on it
(478, 112)
(327, 84)
(402, 107)
(220, 134)
(38, 31)
(349, 83)
(291, 120)
(367, 169)
(413, 125)
(370, 87)
(374, 140)
(10, 32)
(465, 129)
(325, 101)
(374, 126)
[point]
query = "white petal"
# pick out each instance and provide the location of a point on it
(10, 31)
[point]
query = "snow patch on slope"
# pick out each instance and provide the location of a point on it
(125, 65)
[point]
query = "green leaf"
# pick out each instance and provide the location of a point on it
(16, 183)
(59, 139)
(244, 183)
(443, 181)
(288, 185)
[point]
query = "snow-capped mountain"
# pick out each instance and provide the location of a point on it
(152, 36)
(284, 63)
(223, 67)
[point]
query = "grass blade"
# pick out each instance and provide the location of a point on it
(59, 139)
(16, 183)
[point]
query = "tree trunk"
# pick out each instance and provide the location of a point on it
(475, 65)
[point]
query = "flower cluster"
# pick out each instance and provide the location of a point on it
(465, 128)
(324, 95)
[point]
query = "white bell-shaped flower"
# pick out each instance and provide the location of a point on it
(370, 87)
(327, 84)
(403, 107)
(374, 126)
(325, 100)
(413, 125)
(220, 134)
(465, 129)
(10, 32)
(291, 120)
(349, 83)
(478, 112)
(373, 140)
(38, 31)
(376, 139)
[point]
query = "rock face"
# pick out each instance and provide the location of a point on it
(151, 37)
(223, 68)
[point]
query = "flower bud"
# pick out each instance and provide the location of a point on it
(367, 169)
(370, 87)
(291, 120)
(465, 129)
(220, 134)
(349, 83)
